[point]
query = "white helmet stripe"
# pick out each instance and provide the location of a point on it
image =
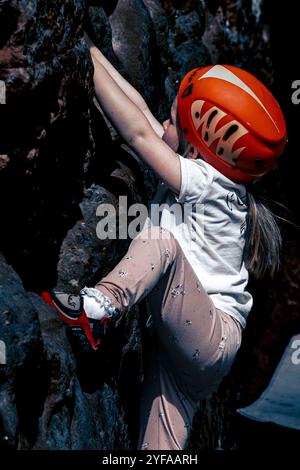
(213, 134)
(218, 71)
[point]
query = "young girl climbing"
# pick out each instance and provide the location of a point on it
(225, 130)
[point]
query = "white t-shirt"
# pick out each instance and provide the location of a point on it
(208, 219)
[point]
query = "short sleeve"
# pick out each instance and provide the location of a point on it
(195, 179)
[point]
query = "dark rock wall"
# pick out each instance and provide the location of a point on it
(59, 159)
(44, 130)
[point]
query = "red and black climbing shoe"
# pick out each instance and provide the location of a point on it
(71, 311)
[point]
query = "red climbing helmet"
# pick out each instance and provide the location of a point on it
(232, 119)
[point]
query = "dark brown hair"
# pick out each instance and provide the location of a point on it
(263, 238)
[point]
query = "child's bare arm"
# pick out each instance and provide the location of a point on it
(125, 86)
(135, 128)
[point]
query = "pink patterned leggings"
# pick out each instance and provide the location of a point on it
(194, 343)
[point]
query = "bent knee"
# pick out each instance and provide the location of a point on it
(163, 239)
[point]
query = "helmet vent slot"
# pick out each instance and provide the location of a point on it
(211, 116)
(230, 131)
(220, 151)
(206, 136)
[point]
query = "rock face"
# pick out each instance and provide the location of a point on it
(59, 161)
(43, 403)
(44, 130)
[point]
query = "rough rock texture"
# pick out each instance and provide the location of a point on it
(44, 400)
(60, 160)
(47, 153)
(236, 34)
(44, 130)
(21, 333)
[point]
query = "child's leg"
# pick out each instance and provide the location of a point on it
(148, 258)
(196, 343)
(170, 396)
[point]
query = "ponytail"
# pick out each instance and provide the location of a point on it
(263, 239)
